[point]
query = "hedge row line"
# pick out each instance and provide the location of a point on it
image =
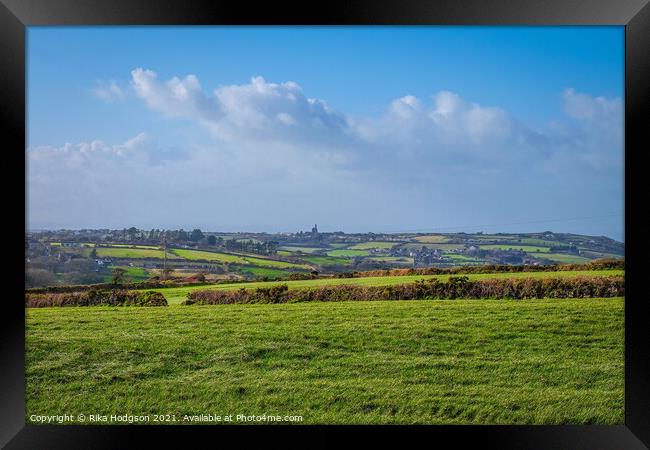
(602, 264)
(456, 287)
(598, 264)
(147, 284)
(96, 298)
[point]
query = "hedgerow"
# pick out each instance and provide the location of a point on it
(95, 298)
(456, 287)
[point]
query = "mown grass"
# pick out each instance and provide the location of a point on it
(177, 295)
(437, 362)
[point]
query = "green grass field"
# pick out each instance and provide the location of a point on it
(558, 361)
(326, 260)
(432, 238)
(135, 246)
(265, 272)
(523, 248)
(542, 242)
(443, 247)
(197, 255)
(178, 294)
(137, 253)
(398, 259)
(373, 244)
(301, 249)
(346, 253)
(200, 255)
(263, 262)
(132, 273)
(566, 259)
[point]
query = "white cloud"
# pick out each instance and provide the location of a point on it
(272, 152)
(109, 91)
(585, 107)
(446, 127)
(259, 109)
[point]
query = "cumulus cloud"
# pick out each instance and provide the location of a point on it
(274, 156)
(446, 126)
(594, 136)
(594, 109)
(258, 109)
(109, 91)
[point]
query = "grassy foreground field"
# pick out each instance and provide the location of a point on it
(441, 362)
(177, 295)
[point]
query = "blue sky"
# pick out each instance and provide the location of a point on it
(413, 125)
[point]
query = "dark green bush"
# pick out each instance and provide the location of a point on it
(96, 298)
(456, 287)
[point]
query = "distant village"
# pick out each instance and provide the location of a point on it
(88, 256)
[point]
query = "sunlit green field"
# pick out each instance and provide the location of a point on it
(555, 361)
(566, 259)
(301, 249)
(127, 252)
(177, 295)
(135, 246)
(373, 244)
(523, 248)
(432, 238)
(132, 273)
(263, 262)
(348, 253)
(196, 255)
(327, 260)
(208, 256)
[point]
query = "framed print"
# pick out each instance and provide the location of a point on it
(407, 218)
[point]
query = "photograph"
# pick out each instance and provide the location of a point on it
(324, 225)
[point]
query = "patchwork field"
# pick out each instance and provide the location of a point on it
(178, 294)
(432, 239)
(523, 248)
(137, 253)
(300, 249)
(447, 361)
(132, 273)
(263, 262)
(327, 260)
(208, 256)
(347, 253)
(566, 259)
(373, 244)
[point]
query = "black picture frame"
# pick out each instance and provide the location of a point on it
(16, 15)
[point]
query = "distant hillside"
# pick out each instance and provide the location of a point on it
(91, 256)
